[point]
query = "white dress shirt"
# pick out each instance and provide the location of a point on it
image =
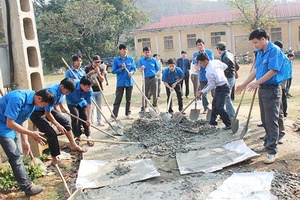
(215, 75)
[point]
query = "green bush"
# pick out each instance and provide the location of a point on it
(7, 179)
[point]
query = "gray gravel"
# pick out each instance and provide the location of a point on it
(166, 138)
(286, 185)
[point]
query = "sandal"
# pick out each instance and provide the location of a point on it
(90, 143)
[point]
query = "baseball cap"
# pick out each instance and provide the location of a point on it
(96, 58)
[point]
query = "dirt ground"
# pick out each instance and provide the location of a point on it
(172, 185)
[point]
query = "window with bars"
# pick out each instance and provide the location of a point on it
(168, 42)
(145, 42)
(191, 40)
(216, 37)
(276, 34)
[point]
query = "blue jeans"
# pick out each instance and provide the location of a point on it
(12, 151)
(98, 99)
(228, 103)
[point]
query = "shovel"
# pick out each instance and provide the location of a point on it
(118, 122)
(178, 116)
(194, 114)
(92, 126)
(154, 113)
(235, 121)
(167, 116)
(119, 131)
(244, 131)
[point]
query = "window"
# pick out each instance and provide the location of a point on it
(191, 40)
(145, 42)
(275, 34)
(216, 37)
(168, 42)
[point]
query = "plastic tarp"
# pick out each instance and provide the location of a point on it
(97, 173)
(214, 159)
(245, 186)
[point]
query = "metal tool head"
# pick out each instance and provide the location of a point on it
(235, 126)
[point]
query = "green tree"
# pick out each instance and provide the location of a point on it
(255, 13)
(84, 27)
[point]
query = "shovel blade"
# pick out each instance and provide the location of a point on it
(208, 115)
(235, 126)
(119, 123)
(166, 117)
(194, 114)
(153, 114)
(179, 118)
(244, 131)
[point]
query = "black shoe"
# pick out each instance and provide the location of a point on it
(260, 125)
(171, 112)
(34, 189)
(214, 123)
(227, 128)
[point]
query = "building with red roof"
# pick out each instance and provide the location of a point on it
(172, 34)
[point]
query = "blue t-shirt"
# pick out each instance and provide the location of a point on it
(123, 80)
(17, 105)
(151, 66)
(202, 72)
(290, 68)
(79, 73)
(270, 59)
(79, 97)
(172, 77)
(58, 97)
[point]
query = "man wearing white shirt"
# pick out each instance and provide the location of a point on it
(216, 79)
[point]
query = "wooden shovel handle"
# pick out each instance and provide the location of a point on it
(63, 179)
(91, 125)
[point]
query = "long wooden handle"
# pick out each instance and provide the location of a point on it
(251, 106)
(106, 102)
(32, 157)
(94, 102)
(189, 105)
(110, 141)
(92, 125)
(63, 179)
(142, 92)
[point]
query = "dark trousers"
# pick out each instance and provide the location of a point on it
(221, 93)
(179, 97)
(41, 122)
(76, 124)
(284, 102)
(269, 103)
(288, 85)
(12, 150)
(118, 100)
(150, 89)
(186, 81)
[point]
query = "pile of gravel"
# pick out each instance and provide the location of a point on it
(166, 138)
(286, 185)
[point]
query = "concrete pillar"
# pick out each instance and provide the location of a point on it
(28, 71)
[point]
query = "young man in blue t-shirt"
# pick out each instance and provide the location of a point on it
(15, 109)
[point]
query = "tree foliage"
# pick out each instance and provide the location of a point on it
(255, 13)
(84, 27)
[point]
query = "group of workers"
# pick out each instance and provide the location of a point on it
(82, 87)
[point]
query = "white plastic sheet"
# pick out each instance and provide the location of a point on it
(96, 173)
(245, 186)
(214, 159)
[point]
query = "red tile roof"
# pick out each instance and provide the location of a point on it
(282, 11)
